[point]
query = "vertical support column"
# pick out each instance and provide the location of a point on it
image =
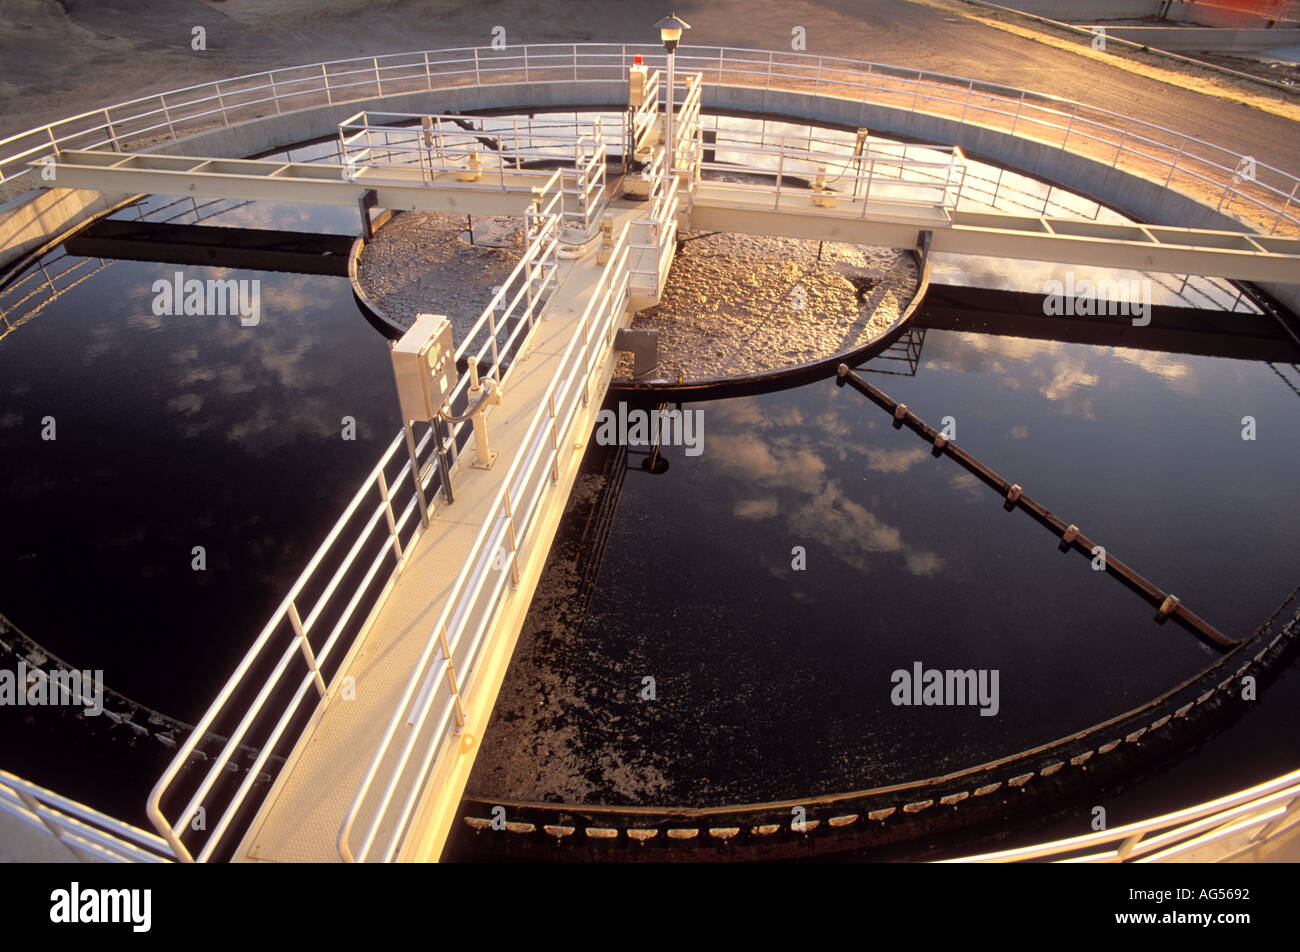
(367, 201)
(415, 474)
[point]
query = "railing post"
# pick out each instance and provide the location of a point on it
(1268, 830)
(325, 76)
(221, 103)
(1282, 212)
(1122, 139)
(1174, 164)
(866, 194)
(1070, 125)
(477, 80)
(1227, 187)
(428, 74)
(108, 124)
(780, 171)
(771, 58)
(388, 513)
(526, 64)
(514, 546)
(555, 438)
(451, 678)
(171, 130)
(1016, 118)
(378, 83)
(275, 93)
(305, 647)
(1127, 846)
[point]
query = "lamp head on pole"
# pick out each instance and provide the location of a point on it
(670, 31)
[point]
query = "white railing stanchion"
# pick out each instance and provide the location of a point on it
(392, 522)
(305, 647)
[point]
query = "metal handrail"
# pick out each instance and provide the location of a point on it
(908, 181)
(504, 529)
(529, 280)
(264, 648)
(81, 829)
(1269, 807)
(452, 648)
(1269, 197)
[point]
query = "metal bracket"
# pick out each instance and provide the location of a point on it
(643, 343)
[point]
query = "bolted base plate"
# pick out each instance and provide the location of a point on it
(492, 458)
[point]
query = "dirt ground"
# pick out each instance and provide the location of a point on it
(61, 57)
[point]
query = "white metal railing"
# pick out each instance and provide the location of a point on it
(507, 150)
(1262, 196)
(432, 706)
(286, 646)
(511, 314)
(656, 234)
(1222, 828)
(431, 711)
(85, 832)
(684, 151)
(588, 182)
(870, 172)
(642, 118)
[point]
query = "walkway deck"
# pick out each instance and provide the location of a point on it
(301, 818)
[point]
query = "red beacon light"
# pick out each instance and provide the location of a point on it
(637, 60)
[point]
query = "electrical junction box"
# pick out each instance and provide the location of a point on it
(424, 366)
(636, 78)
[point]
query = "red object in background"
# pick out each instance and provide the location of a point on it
(636, 60)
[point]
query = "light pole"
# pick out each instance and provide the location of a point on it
(670, 31)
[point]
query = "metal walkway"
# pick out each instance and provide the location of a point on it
(763, 208)
(305, 811)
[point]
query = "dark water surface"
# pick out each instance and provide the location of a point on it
(773, 682)
(175, 432)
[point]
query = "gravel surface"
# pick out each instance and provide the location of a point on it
(422, 264)
(742, 304)
(734, 304)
